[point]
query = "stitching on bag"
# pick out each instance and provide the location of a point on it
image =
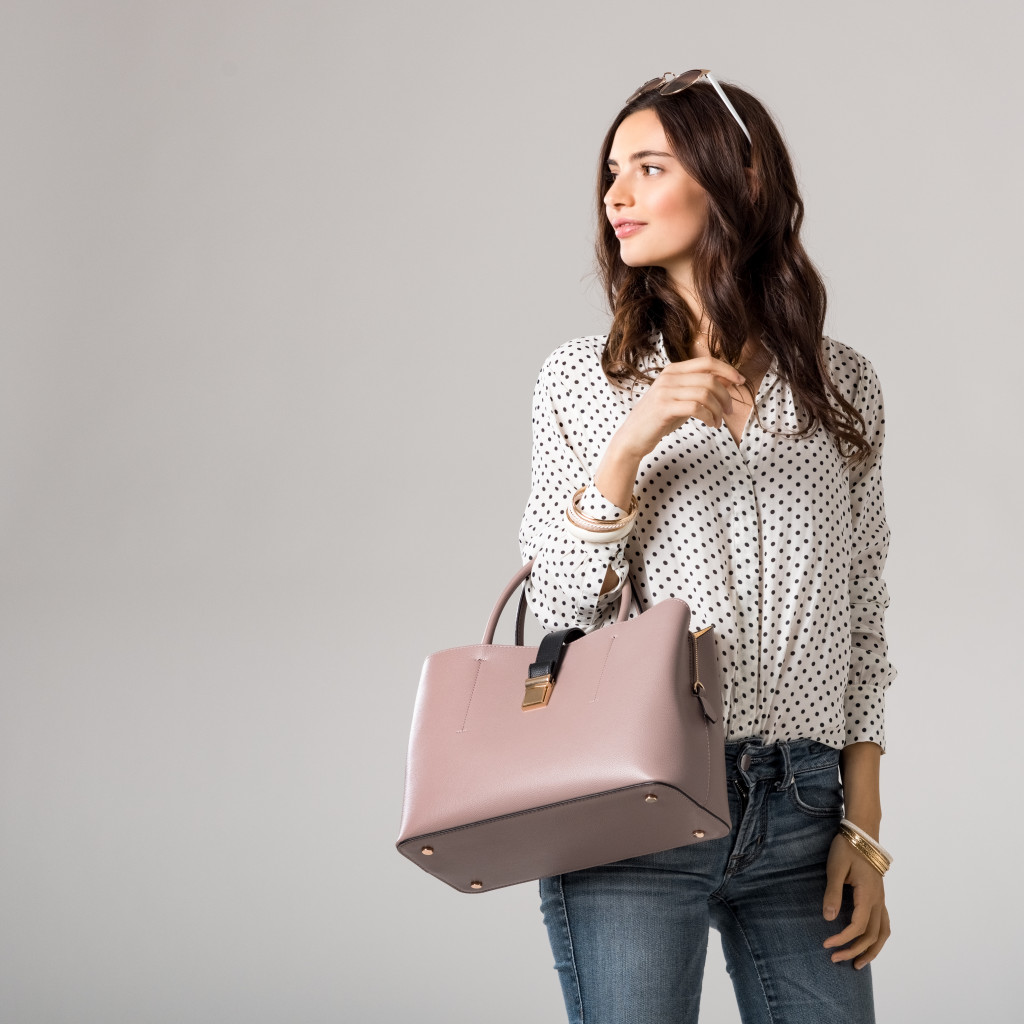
(603, 665)
(469, 703)
(707, 737)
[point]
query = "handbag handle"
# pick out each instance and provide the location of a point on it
(625, 602)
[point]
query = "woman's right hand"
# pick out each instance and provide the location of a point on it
(690, 387)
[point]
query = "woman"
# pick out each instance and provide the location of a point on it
(740, 451)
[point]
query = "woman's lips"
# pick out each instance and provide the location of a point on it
(631, 227)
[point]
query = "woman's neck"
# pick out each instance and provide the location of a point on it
(754, 358)
(754, 355)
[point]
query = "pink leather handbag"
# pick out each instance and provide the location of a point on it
(593, 747)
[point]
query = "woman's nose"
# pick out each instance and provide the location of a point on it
(616, 195)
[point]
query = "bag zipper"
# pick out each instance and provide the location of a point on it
(698, 686)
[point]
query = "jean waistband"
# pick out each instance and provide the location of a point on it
(752, 758)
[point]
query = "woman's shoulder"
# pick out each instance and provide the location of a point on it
(574, 361)
(852, 372)
(582, 351)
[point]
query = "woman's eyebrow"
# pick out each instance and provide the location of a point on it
(642, 154)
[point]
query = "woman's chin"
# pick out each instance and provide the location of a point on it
(634, 258)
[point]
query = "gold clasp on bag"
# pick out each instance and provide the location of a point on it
(538, 692)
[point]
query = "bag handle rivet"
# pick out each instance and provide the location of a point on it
(427, 851)
(476, 885)
(698, 833)
(650, 799)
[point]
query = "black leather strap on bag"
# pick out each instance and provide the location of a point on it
(551, 651)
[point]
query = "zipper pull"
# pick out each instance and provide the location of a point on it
(698, 686)
(698, 692)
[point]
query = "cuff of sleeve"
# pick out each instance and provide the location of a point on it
(871, 675)
(876, 735)
(865, 715)
(594, 504)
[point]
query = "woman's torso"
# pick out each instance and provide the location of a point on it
(753, 531)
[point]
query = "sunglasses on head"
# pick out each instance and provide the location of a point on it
(669, 84)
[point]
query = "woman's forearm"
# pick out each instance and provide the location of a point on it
(859, 766)
(616, 476)
(615, 479)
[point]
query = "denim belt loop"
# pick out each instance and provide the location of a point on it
(787, 767)
(749, 747)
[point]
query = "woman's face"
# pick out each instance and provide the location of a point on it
(657, 209)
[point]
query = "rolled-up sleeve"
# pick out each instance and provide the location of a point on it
(564, 588)
(871, 672)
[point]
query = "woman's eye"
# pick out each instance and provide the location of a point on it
(610, 176)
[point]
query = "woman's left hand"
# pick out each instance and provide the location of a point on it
(868, 929)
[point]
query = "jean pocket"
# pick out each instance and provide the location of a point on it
(818, 791)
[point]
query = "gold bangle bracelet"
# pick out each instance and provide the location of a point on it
(585, 522)
(601, 526)
(864, 842)
(867, 851)
(846, 823)
(867, 854)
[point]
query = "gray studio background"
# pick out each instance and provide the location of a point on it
(277, 279)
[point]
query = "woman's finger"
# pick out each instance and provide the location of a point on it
(875, 948)
(709, 364)
(859, 922)
(717, 387)
(864, 941)
(687, 408)
(837, 867)
(708, 399)
(712, 382)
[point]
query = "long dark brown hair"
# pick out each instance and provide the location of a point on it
(750, 268)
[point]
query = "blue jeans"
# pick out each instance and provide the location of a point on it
(630, 938)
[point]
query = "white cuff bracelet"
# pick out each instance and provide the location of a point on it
(594, 537)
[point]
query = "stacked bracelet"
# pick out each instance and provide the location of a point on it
(599, 531)
(876, 854)
(874, 842)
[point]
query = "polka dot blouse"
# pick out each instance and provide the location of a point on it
(773, 541)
